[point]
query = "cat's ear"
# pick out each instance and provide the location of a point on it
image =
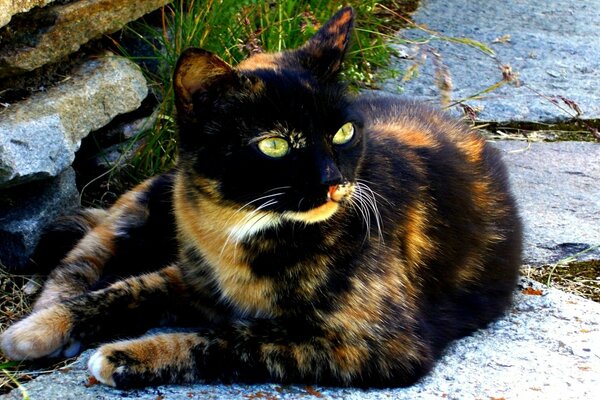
(324, 52)
(198, 71)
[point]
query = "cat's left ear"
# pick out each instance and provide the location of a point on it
(324, 52)
(198, 71)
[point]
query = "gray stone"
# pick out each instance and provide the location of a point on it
(8, 8)
(552, 46)
(547, 347)
(51, 33)
(25, 210)
(118, 148)
(558, 191)
(39, 136)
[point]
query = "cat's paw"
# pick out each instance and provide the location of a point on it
(120, 365)
(150, 360)
(44, 333)
(104, 369)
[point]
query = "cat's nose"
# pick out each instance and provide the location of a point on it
(330, 174)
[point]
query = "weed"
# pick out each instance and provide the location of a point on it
(14, 302)
(571, 275)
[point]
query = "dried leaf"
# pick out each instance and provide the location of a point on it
(92, 381)
(532, 292)
(310, 390)
(572, 105)
(468, 111)
(508, 75)
(502, 39)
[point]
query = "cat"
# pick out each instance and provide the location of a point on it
(306, 235)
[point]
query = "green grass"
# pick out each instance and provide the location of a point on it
(234, 30)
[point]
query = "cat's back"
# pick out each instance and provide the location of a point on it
(430, 142)
(415, 124)
(448, 191)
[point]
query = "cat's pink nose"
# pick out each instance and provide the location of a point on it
(331, 194)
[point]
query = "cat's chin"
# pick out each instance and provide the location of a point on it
(317, 214)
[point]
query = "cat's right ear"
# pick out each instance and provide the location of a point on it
(197, 71)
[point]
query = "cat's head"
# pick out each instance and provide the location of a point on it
(275, 132)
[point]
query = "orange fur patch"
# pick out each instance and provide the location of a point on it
(38, 335)
(418, 245)
(350, 358)
(338, 25)
(317, 214)
(260, 61)
(472, 149)
(408, 133)
(225, 257)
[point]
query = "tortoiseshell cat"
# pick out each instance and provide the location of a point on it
(305, 236)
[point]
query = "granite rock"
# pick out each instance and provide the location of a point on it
(39, 136)
(8, 8)
(27, 209)
(48, 34)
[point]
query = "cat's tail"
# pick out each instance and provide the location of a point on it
(61, 236)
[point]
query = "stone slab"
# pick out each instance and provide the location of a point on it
(51, 33)
(557, 186)
(8, 8)
(553, 47)
(39, 136)
(25, 210)
(547, 347)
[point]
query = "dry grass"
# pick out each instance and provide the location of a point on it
(14, 302)
(579, 277)
(16, 295)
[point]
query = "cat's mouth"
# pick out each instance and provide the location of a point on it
(336, 194)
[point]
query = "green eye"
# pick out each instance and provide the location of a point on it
(275, 147)
(344, 134)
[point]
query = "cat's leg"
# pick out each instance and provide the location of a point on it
(259, 351)
(84, 265)
(130, 306)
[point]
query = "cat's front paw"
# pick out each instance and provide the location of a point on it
(102, 368)
(120, 365)
(44, 333)
(150, 360)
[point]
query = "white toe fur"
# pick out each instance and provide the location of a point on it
(101, 369)
(39, 335)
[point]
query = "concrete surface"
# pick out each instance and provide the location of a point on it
(553, 46)
(557, 186)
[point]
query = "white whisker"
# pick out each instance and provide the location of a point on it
(278, 188)
(366, 200)
(254, 201)
(241, 228)
(354, 203)
(360, 204)
(373, 191)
